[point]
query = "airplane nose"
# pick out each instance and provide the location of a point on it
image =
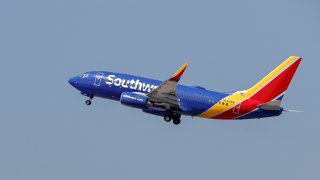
(73, 81)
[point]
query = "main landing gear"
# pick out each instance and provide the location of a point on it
(174, 117)
(88, 102)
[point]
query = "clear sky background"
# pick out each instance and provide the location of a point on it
(46, 131)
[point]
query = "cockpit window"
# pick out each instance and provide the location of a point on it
(84, 75)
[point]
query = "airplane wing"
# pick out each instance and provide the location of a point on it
(166, 92)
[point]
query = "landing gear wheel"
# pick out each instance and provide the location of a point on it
(176, 121)
(167, 118)
(88, 102)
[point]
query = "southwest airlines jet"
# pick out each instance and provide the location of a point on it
(171, 100)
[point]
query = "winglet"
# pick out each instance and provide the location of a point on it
(176, 77)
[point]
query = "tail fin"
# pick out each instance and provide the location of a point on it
(274, 85)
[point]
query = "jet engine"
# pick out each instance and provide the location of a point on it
(135, 100)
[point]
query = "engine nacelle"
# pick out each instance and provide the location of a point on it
(135, 100)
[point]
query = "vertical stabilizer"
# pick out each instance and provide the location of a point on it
(274, 85)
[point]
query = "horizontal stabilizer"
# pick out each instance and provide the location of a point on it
(271, 106)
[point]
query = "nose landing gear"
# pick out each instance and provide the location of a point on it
(88, 102)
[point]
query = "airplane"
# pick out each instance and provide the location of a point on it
(172, 100)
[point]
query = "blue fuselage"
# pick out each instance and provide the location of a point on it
(111, 85)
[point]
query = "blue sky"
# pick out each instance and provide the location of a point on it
(46, 131)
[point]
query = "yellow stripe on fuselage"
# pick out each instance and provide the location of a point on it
(219, 108)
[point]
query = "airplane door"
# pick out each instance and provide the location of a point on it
(236, 109)
(97, 81)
